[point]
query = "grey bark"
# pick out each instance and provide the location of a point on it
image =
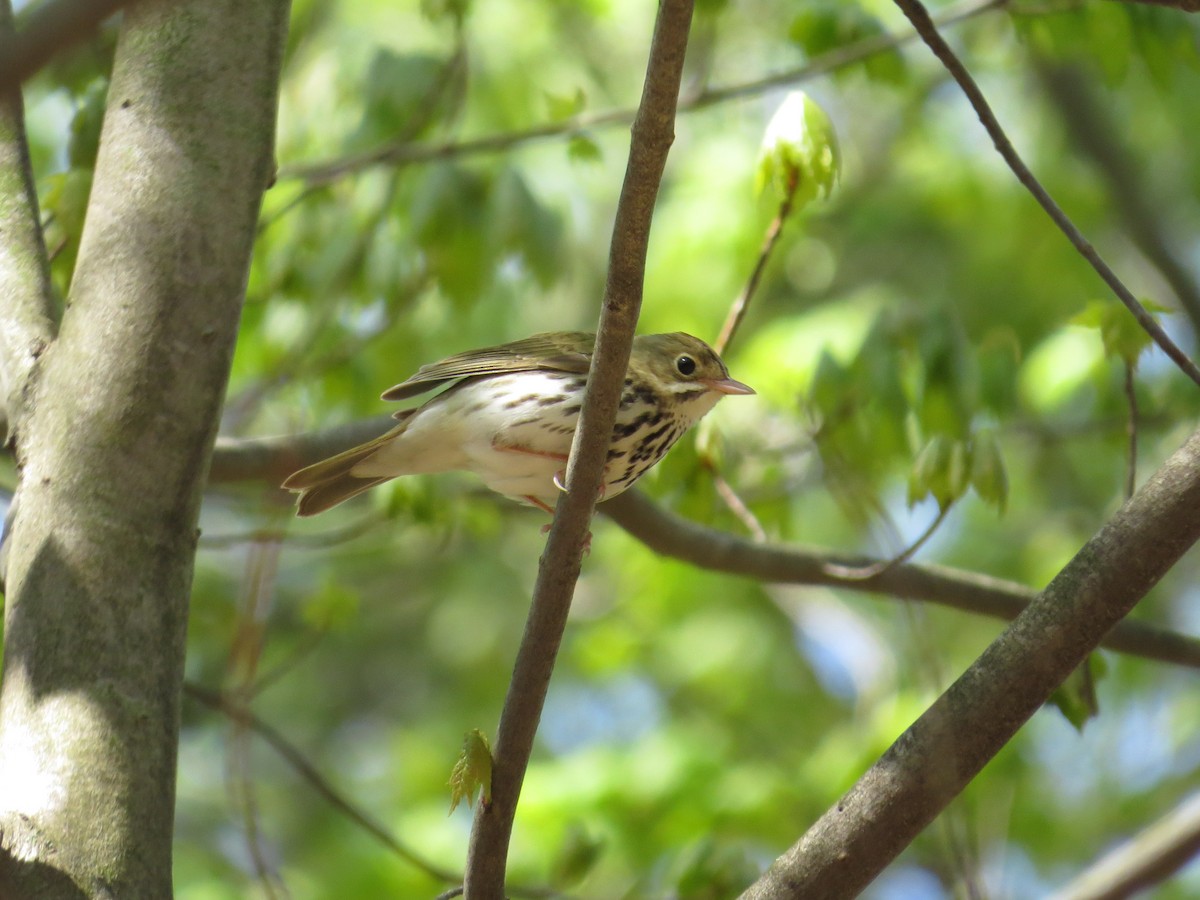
(951, 742)
(122, 424)
(25, 326)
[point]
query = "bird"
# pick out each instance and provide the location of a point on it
(508, 413)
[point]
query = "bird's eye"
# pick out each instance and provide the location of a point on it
(686, 365)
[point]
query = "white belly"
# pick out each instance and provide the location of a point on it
(515, 432)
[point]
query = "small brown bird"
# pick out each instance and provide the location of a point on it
(510, 412)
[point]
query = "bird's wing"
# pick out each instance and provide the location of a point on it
(559, 352)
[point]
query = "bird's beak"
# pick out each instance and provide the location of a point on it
(728, 386)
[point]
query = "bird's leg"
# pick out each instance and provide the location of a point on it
(587, 538)
(560, 477)
(528, 451)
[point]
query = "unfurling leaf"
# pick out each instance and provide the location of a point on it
(472, 772)
(581, 148)
(565, 106)
(1076, 697)
(800, 152)
(941, 470)
(576, 857)
(1123, 337)
(988, 475)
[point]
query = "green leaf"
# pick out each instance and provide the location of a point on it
(1076, 697)
(522, 225)
(86, 125)
(332, 607)
(581, 148)
(988, 475)
(472, 772)
(941, 470)
(565, 106)
(830, 24)
(399, 89)
(799, 151)
(576, 857)
(1122, 335)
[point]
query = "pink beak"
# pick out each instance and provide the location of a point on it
(729, 386)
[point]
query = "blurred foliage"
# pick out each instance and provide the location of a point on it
(924, 337)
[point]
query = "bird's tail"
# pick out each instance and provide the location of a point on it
(326, 484)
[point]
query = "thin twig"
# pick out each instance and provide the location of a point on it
(875, 569)
(651, 138)
(919, 16)
(401, 153)
(328, 538)
(1095, 131)
(737, 311)
(1148, 858)
(738, 507)
(666, 533)
(673, 536)
(1131, 430)
(314, 779)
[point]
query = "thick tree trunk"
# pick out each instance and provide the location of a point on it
(123, 420)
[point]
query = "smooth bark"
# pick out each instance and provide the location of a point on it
(652, 135)
(931, 763)
(122, 423)
(25, 308)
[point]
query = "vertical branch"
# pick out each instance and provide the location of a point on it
(1131, 430)
(25, 307)
(652, 135)
(116, 449)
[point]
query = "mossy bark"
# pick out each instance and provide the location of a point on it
(123, 420)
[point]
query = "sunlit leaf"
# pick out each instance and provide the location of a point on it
(799, 151)
(472, 773)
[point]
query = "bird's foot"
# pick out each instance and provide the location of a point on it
(587, 538)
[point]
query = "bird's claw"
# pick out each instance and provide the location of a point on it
(560, 482)
(587, 539)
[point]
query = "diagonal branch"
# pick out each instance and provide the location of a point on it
(919, 16)
(402, 153)
(1147, 859)
(240, 713)
(272, 459)
(51, 27)
(668, 534)
(1091, 128)
(651, 138)
(26, 312)
(931, 763)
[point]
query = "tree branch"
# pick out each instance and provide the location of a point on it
(919, 16)
(26, 314)
(401, 153)
(242, 714)
(51, 27)
(1147, 859)
(116, 449)
(964, 728)
(1091, 129)
(272, 459)
(668, 534)
(651, 138)
(1185, 5)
